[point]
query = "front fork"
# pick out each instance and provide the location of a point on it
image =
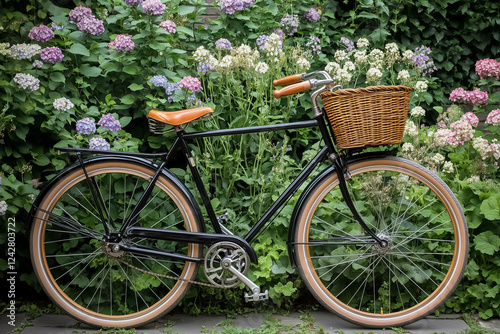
(342, 169)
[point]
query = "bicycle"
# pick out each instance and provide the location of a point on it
(117, 239)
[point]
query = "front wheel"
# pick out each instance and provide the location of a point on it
(411, 209)
(83, 273)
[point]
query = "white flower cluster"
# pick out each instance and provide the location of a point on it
(225, 65)
(407, 56)
(404, 76)
(373, 76)
(261, 67)
(376, 59)
(303, 64)
(407, 147)
(448, 167)
(24, 51)
(362, 42)
(273, 47)
(27, 81)
(340, 56)
(473, 178)
(392, 53)
(438, 158)
(421, 86)
(360, 57)
(63, 104)
(201, 55)
(5, 49)
(417, 111)
(411, 128)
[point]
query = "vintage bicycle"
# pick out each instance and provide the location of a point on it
(117, 239)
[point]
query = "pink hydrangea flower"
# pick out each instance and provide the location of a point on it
(462, 131)
(78, 13)
(153, 7)
(493, 117)
(312, 15)
(458, 95)
(41, 33)
(193, 84)
(51, 55)
(168, 26)
(470, 118)
(122, 43)
(477, 97)
(441, 137)
(488, 68)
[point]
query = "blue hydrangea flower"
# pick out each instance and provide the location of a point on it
(98, 143)
(159, 81)
(85, 126)
(204, 67)
(171, 87)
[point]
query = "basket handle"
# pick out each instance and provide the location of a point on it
(292, 89)
(288, 80)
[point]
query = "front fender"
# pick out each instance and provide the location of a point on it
(302, 199)
(144, 162)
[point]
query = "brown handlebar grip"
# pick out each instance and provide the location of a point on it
(292, 89)
(288, 80)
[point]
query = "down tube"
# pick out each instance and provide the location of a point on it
(292, 188)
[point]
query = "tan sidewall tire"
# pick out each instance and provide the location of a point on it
(67, 304)
(412, 314)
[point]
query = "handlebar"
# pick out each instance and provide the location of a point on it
(292, 89)
(289, 80)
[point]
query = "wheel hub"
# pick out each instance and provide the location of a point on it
(112, 250)
(385, 247)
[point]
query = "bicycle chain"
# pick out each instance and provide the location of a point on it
(166, 276)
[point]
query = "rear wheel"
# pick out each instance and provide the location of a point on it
(84, 273)
(414, 212)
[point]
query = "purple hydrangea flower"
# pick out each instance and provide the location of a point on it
(41, 34)
(122, 42)
(78, 13)
(109, 122)
(280, 33)
(132, 2)
(223, 43)
(193, 84)
(98, 143)
(91, 25)
(51, 55)
(348, 43)
(37, 64)
(153, 7)
(232, 6)
(312, 15)
(159, 81)
(204, 67)
(85, 126)
(261, 41)
(168, 26)
(289, 24)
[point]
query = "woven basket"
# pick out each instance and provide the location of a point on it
(370, 116)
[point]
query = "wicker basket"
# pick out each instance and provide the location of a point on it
(370, 116)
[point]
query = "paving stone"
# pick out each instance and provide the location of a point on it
(47, 330)
(192, 325)
(492, 324)
(250, 320)
(55, 320)
(292, 319)
(429, 326)
(4, 323)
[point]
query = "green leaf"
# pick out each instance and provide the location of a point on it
(132, 69)
(185, 30)
(490, 207)
(79, 49)
(57, 77)
(487, 242)
(185, 10)
(128, 99)
(135, 87)
(42, 160)
(124, 121)
(90, 71)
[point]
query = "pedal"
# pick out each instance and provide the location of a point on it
(257, 296)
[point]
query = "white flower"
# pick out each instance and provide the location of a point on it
(349, 66)
(421, 86)
(225, 65)
(403, 75)
(391, 48)
(373, 75)
(62, 104)
(407, 147)
(360, 57)
(448, 167)
(27, 81)
(342, 77)
(473, 178)
(261, 67)
(417, 111)
(411, 128)
(303, 64)
(340, 55)
(408, 55)
(201, 55)
(332, 68)
(362, 42)
(273, 46)
(438, 158)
